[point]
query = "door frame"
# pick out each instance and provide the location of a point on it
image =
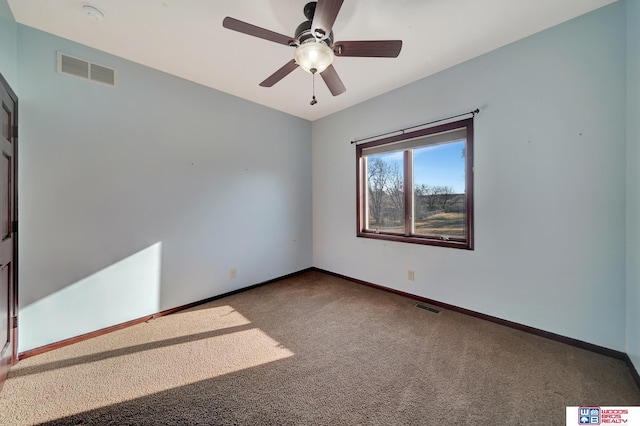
(14, 225)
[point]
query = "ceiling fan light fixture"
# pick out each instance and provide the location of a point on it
(314, 57)
(316, 49)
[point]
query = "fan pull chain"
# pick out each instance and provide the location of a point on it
(313, 99)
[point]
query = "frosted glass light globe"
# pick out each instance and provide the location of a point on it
(314, 57)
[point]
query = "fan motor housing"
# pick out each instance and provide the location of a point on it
(309, 10)
(304, 35)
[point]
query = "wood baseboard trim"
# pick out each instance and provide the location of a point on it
(70, 341)
(90, 335)
(539, 332)
(549, 335)
(633, 370)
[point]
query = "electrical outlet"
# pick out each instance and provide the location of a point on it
(411, 275)
(233, 274)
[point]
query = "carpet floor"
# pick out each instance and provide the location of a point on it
(313, 349)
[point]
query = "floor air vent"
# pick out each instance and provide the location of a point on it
(427, 308)
(86, 70)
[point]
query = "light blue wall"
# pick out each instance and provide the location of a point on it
(143, 197)
(633, 181)
(550, 148)
(8, 45)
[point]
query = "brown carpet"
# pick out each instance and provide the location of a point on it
(312, 350)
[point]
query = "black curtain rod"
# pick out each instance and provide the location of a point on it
(473, 113)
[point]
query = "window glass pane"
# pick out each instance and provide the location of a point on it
(439, 190)
(385, 195)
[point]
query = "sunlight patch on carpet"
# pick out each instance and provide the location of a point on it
(230, 344)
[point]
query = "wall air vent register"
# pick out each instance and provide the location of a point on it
(69, 65)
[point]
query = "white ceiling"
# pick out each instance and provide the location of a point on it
(186, 38)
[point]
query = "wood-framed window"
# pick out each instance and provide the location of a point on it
(417, 187)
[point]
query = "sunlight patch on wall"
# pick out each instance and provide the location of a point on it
(124, 291)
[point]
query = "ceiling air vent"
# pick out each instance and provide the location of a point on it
(84, 69)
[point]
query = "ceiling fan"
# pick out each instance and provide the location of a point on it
(315, 48)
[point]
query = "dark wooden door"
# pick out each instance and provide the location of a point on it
(8, 237)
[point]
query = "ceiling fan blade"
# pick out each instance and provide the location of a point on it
(331, 78)
(370, 49)
(324, 17)
(280, 74)
(252, 30)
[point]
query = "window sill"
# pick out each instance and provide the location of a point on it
(429, 241)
